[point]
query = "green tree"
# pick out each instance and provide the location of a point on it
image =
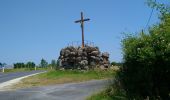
(30, 65)
(19, 65)
(146, 66)
(0, 64)
(113, 63)
(53, 63)
(43, 63)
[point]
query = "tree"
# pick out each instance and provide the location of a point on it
(116, 63)
(30, 65)
(4, 64)
(19, 65)
(146, 65)
(0, 65)
(54, 64)
(113, 63)
(43, 63)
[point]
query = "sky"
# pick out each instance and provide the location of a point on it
(34, 29)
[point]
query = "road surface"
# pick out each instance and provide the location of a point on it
(9, 76)
(70, 91)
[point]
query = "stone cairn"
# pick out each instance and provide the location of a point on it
(83, 58)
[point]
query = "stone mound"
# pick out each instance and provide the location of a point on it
(83, 58)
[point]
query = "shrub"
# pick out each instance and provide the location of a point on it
(146, 67)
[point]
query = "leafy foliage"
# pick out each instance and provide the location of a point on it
(116, 63)
(146, 69)
(22, 65)
(19, 65)
(54, 64)
(43, 63)
(2, 64)
(30, 65)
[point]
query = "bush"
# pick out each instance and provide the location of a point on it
(116, 63)
(146, 68)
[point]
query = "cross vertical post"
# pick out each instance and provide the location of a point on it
(82, 29)
(81, 21)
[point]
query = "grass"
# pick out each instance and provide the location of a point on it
(17, 70)
(112, 92)
(58, 77)
(108, 95)
(21, 70)
(99, 96)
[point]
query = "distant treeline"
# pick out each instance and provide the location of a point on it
(22, 65)
(43, 64)
(116, 63)
(2, 64)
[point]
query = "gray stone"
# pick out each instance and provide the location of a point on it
(93, 57)
(86, 67)
(102, 67)
(67, 52)
(80, 52)
(84, 58)
(84, 62)
(95, 53)
(72, 53)
(84, 53)
(62, 52)
(105, 54)
(78, 58)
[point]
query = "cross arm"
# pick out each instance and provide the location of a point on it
(78, 21)
(86, 19)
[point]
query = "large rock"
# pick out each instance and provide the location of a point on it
(95, 53)
(84, 58)
(84, 62)
(105, 55)
(66, 53)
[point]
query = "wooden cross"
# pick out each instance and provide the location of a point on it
(81, 21)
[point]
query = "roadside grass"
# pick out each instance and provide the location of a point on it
(22, 70)
(99, 96)
(111, 93)
(58, 77)
(17, 70)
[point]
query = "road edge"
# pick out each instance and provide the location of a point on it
(16, 80)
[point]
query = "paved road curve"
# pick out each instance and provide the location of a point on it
(71, 91)
(9, 76)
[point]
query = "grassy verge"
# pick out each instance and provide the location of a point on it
(113, 92)
(21, 70)
(59, 77)
(100, 96)
(17, 70)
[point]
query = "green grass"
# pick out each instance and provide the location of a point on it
(68, 76)
(22, 70)
(17, 70)
(111, 93)
(99, 96)
(104, 96)
(83, 75)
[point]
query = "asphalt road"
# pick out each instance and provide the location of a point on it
(9, 76)
(71, 91)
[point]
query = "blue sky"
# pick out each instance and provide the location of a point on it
(35, 29)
